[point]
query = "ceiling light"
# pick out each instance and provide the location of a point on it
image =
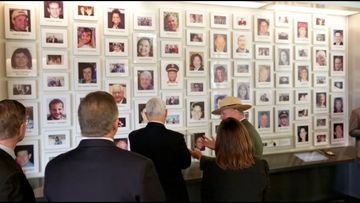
(312, 10)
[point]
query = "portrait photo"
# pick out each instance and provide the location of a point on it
(31, 118)
(196, 18)
(337, 84)
(116, 47)
(56, 110)
(196, 137)
(86, 39)
(337, 39)
(302, 112)
(172, 74)
(196, 86)
(19, 21)
(321, 122)
(140, 113)
(196, 37)
(319, 22)
(144, 21)
(302, 96)
(263, 51)
(264, 97)
(115, 21)
(55, 81)
(144, 48)
(220, 74)
(22, 89)
(242, 21)
(58, 139)
(283, 35)
(243, 68)
(124, 124)
(173, 100)
(302, 52)
(283, 57)
(264, 120)
(303, 134)
(196, 62)
(54, 38)
(283, 19)
(302, 74)
(337, 104)
(171, 48)
(197, 111)
(321, 79)
(122, 143)
(264, 74)
(120, 90)
(220, 46)
(320, 58)
(284, 97)
(85, 11)
(338, 64)
(145, 81)
(54, 13)
(171, 23)
(263, 28)
(21, 59)
(87, 73)
(219, 20)
(301, 31)
(116, 67)
(321, 103)
(337, 132)
(243, 89)
(54, 59)
(321, 138)
(320, 37)
(242, 44)
(216, 97)
(174, 119)
(283, 118)
(283, 80)
(27, 156)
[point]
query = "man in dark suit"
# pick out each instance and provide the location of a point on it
(97, 170)
(14, 186)
(166, 148)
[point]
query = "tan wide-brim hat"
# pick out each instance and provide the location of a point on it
(231, 102)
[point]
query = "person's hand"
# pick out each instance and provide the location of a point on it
(209, 142)
(196, 153)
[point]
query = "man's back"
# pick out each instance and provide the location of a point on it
(99, 171)
(168, 150)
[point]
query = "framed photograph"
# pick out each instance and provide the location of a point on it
(54, 59)
(302, 74)
(196, 87)
(220, 46)
(85, 11)
(196, 62)
(321, 58)
(283, 117)
(171, 23)
(337, 132)
(86, 39)
(55, 81)
(283, 35)
(243, 89)
(116, 67)
(302, 30)
(283, 57)
(283, 80)
(171, 48)
(116, 47)
(283, 19)
(337, 104)
(302, 96)
(216, 97)
(320, 80)
(20, 21)
(56, 38)
(321, 102)
(58, 139)
(32, 120)
(172, 74)
(220, 74)
(302, 112)
(122, 142)
(195, 140)
(263, 119)
(242, 21)
(263, 51)
(337, 84)
(264, 74)
(321, 122)
(321, 138)
(243, 68)
(263, 28)
(56, 110)
(121, 91)
(242, 44)
(337, 38)
(196, 18)
(219, 20)
(87, 73)
(124, 124)
(145, 51)
(21, 59)
(144, 21)
(302, 134)
(54, 13)
(27, 156)
(197, 111)
(302, 53)
(338, 64)
(320, 37)
(140, 116)
(195, 37)
(174, 119)
(22, 89)
(319, 21)
(249, 116)
(145, 81)
(264, 97)
(116, 21)
(173, 100)
(284, 97)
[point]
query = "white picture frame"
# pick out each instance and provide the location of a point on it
(22, 89)
(263, 51)
(140, 118)
(283, 57)
(32, 148)
(116, 87)
(197, 111)
(56, 139)
(321, 122)
(220, 46)
(219, 20)
(283, 119)
(302, 129)
(174, 78)
(302, 74)
(302, 112)
(283, 19)
(320, 37)
(337, 132)
(338, 64)
(302, 96)
(55, 81)
(116, 28)
(196, 37)
(196, 62)
(338, 104)
(56, 119)
(52, 59)
(243, 68)
(320, 79)
(284, 80)
(149, 77)
(264, 120)
(32, 118)
(284, 97)
(144, 21)
(264, 76)
(216, 97)
(171, 48)
(173, 100)
(116, 47)
(54, 13)
(196, 87)
(174, 119)
(115, 67)
(11, 11)
(242, 44)
(243, 89)
(320, 58)
(85, 11)
(196, 18)
(141, 51)
(86, 39)
(17, 68)
(283, 35)
(195, 133)
(175, 20)
(263, 26)
(56, 38)
(338, 84)
(242, 21)
(264, 97)
(302, 31)
(302, 53)
(321, 138)
(220, 74)
(337, 34)
(319, 21)
(87, 73)
(321, 101)
(124, 124)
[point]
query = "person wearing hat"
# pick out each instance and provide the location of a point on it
(232, 107)
(302, 30)
(283, 119)
(172, 70)
(19, 20)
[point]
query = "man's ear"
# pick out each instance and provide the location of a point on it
(21, 133)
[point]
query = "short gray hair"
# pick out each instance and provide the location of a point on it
(155, 106)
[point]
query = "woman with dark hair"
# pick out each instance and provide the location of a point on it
(21, 59)
(235, 174)
(116, 19)
(196, 62)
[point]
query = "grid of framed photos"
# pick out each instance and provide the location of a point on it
(291, 68)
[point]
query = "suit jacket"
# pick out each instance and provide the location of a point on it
(99, 171)
(169, 153)
(255, 138)
(14, 187)
(245, 185)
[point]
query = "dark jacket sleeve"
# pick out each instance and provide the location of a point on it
(152, 190)
(183, 153)
(16, 189)
(267, 187)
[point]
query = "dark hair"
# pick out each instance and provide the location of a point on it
(12, 115)
(338, 99)
(192, 59)
(26, 52)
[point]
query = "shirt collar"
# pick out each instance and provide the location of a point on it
(8, 150)
(97, 138)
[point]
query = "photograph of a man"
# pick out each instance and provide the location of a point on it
(283, 119)
(56, 110)
(53, 9)
(20, 21)
(172, 70)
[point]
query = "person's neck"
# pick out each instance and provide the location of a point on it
(11, 143)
